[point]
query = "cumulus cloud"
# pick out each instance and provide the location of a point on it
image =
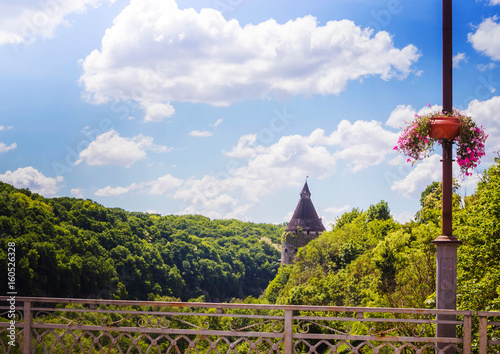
(164, 184)
(111, 149)
(400, 115)
(200, 133)
(486, 39)
(426, 172)
(403, 217)
(403, 114)
(34, 180)
(24, 21)
(362, 144)
(109, 191)
(157, 111)
(459, 58)
(77, 192)
(336, 211)
(245, 148)
(156, 52)
(231, 192)
(221, 206)
(5, 148)
(5, 128)
(486, 113)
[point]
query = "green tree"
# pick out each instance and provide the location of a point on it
(379, 211)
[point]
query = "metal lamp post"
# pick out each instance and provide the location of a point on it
(447, 244)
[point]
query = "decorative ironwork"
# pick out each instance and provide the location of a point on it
(18, 315)
(495, 335)
(130, 326)
(276, 326)
(304, 327)
(417, 330)
(41, 316)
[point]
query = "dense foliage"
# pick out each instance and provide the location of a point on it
(77, 248)
(368, 259)
(68, 247)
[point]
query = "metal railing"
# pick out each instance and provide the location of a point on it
(489, 331)
(56, 325)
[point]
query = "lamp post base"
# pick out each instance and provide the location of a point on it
(446, 285)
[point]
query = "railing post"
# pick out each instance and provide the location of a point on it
(27, 331)
(288, 339)
(483, 334)
(467, 334)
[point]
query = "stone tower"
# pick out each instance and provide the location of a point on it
(304, 226)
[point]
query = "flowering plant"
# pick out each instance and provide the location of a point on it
(416, 144)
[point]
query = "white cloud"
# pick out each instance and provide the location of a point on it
(486, 113)
(111, 149)
(459, 58)
(230, 193)
(5, 128)
(77, 192)
(282, 164)
(5, 148)
(216, 123)
(157, 111)
(362, 144)
(494, 2)
(484, 67)
(337, 211)
(201, 134)
(115, 191)
(31, 178)
(426, 172)
(24, 21)
(197, 189)
(245, 148)
(404, 216)
(400, 116)
(161, 186)
(486, 39)
(164, 184)
(429, 109)
(155, 52)
(288, 216)
(221, 206)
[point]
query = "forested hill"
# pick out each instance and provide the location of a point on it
(67, 247)
(368, 259)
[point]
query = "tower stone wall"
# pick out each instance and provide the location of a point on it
(304, 226)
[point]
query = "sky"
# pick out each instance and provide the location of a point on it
(224, 107)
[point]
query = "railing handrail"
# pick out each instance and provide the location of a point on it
(488, 313)
(243, 306)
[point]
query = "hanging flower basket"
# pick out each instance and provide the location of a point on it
(444, 128)
(417, 139)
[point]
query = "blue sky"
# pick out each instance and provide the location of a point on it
(223, 107)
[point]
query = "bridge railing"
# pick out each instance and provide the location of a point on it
(489, 331)
(60, 325)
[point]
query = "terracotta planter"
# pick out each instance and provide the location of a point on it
(444, 128)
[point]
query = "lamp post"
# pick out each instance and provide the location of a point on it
(447, 244)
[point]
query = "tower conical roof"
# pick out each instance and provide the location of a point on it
(305, 216)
